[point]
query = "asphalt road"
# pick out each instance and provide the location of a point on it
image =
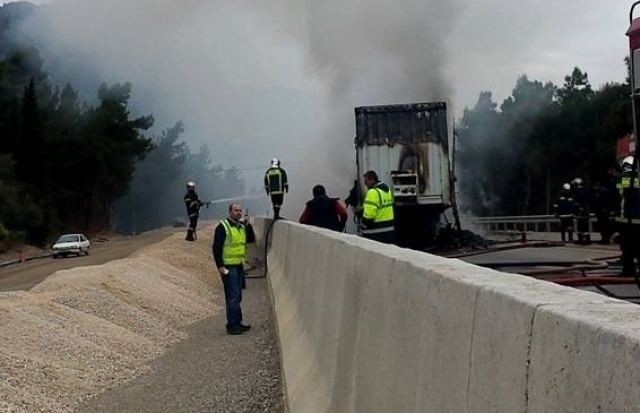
(567, 253)
(25, 276)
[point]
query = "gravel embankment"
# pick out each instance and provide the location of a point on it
(86, 330)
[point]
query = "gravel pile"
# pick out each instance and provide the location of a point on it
(89, 329)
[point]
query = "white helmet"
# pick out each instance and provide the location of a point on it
(275, 162)
(191, 185)
(577, 182)
(566, 186)
(627, 163)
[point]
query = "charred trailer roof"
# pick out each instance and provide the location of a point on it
(401, 124)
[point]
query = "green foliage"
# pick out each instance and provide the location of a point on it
(513, 161)
(62, 167)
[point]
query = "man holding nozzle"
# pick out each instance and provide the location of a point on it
(229, 251)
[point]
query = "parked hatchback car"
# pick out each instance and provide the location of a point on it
(71, 244)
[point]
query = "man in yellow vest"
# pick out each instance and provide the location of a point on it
(377, 215)
(229, 251)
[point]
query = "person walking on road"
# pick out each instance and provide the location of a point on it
(275, 183)
(324, 212)
(229, 252)
(378, 215)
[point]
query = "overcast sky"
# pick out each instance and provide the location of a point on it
(262, 79)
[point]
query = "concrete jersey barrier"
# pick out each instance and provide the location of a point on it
(366, 327)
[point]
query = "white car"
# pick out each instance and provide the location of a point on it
(71, 244)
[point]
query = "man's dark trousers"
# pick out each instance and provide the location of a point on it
(233, 294)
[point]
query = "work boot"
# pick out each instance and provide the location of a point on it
(189, 236)
(235, 331)
(238, 329)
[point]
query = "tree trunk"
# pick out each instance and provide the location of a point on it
(548, 193)
(527, 195)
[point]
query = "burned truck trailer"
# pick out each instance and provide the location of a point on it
(408, 147)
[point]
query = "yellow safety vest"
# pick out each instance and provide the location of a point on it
(234, 250)
(623, 218)
(378, 206)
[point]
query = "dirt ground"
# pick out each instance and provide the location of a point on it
(83, 330)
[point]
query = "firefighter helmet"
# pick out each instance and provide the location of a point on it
(627, 163)
(191, 185)
(566, 186)
(275, 162)
(577, 182)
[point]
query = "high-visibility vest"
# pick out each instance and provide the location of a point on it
(234, 249)
(378, 206)
(629, 200)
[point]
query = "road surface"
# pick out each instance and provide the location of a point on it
(25, 276)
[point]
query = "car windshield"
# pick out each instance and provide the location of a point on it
(68, 238)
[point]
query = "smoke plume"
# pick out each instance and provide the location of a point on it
(256, 80)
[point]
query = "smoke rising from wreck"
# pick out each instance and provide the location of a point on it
(256, 80)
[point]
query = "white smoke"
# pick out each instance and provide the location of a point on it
(256, 80)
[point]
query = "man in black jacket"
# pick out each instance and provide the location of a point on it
(324, 212)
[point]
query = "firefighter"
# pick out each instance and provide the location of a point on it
(564, 208)
(628, 216)
(275, 183)
(604, 202)
(324, 212)
(193, 204)
(582, 197)
(378, 215)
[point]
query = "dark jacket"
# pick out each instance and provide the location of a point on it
(276, 184)
(564, 205)
(628, 199)
(325, 212)
(583, 200)
(192, 203)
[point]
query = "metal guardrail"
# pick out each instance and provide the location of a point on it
(537, 223)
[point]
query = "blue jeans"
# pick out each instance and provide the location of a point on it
(233, 294)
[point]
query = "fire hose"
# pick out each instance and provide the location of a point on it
(581, 267)
(533, 244)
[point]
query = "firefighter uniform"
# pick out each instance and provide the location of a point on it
(564, 208)
(583, 200)
(275, 183)
(193, 204)
(378, 214)
(628, 221)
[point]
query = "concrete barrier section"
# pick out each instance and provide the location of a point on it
(366, 327)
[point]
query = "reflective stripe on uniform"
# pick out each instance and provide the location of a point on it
(376, 230)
